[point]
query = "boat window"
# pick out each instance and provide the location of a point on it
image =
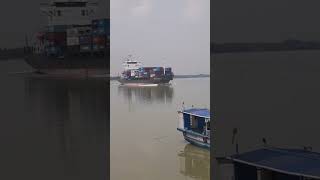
(193, 122)
(208, 125)
(58, 13)
(83, 12)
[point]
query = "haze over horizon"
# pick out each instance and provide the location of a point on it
(161, 33)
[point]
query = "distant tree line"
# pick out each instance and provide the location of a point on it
(287, 45)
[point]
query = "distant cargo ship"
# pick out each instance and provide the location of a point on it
(73, 42)
(135, 74)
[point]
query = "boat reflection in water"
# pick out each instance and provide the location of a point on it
(146, 95)
(195, 162)
(70, 138)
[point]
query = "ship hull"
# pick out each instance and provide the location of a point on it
(75, 66)
(145, 81)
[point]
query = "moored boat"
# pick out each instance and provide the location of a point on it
(194, 123)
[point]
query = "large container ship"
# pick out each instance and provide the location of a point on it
(136, 74)
(74, 42)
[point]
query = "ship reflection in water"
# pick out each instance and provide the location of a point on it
(72, 128)
(195, 162)
(147, 95)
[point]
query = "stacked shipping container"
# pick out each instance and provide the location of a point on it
(56, 42)
(100, 34)
(148, 72)
(85, 39)
(77, 39)
(168, 72)
(55, 37)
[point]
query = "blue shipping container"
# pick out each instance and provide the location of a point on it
(95, 47)
(85, 39)
(141, 69)
(101, 31)
(101, 26)
(101, 23)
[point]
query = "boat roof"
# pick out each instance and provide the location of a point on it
(288, 161)
(198, 112)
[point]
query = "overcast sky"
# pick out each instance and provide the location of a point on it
(161, 33)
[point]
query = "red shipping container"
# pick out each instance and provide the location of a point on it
(56, 37)
(99, 40)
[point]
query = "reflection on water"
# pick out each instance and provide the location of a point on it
(144, 139)
(73, 120)
(147, 95)
(195, 162)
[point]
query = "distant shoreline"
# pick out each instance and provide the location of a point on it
(287, 45)
(215, 48)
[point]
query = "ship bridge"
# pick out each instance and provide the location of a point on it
(64, 12)
(130, 64)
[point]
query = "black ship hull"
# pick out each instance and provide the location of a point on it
(84, 65)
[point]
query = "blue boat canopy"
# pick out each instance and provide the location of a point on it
(198, 112)
(289, 161)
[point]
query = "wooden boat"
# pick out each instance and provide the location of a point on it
(194, 124)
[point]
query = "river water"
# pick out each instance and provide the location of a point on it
(144, 141)
(52, 128)
(59, 129)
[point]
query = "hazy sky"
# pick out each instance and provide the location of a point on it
(161, 32)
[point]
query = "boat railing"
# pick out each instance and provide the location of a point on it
(194, 133)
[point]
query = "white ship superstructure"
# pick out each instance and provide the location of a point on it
(64, 12)
(130, 64)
